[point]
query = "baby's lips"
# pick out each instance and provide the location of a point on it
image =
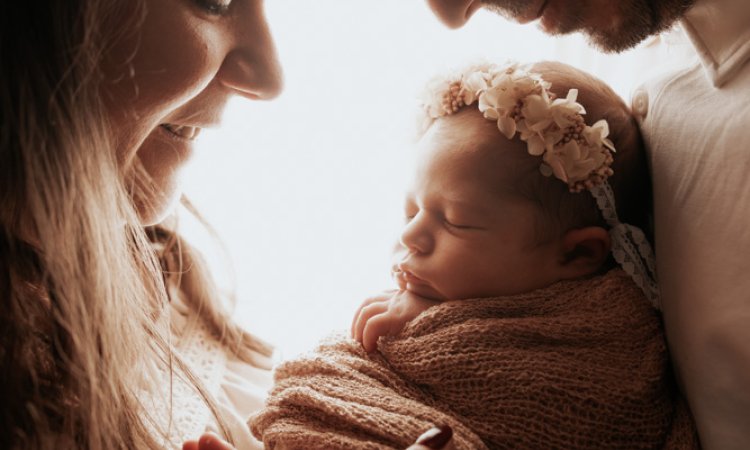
(398, 276)
(407, 272)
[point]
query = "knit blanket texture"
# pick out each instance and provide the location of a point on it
(578, 365)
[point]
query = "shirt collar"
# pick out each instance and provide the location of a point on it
(720, 32)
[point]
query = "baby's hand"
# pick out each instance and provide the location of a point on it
(209, 441)
(386, 315)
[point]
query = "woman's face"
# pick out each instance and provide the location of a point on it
(172, 77)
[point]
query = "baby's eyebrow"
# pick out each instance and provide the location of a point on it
(467, 205)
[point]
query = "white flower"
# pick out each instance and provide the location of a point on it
(536, 112)
(498, 98)
(573, 162)
(472, 85)
(434, 95)
(597, 134)
(566, 110)
(505, 90)
(507, 126)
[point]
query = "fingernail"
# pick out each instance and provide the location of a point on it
(210, 438)
(436, 438)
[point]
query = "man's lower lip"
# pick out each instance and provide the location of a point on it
(549, 18)
(535, 14)
(540, 14)
(546, 22)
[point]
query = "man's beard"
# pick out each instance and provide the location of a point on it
(637, 19)
(640, 19)
(510, 9)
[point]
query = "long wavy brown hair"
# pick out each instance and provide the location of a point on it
(84, 288)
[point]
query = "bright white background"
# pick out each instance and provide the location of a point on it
(306, 191)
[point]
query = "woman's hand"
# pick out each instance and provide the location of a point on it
(386, 315)
(209, 441)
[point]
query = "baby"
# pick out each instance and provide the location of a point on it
(526, 310)
(489, 216)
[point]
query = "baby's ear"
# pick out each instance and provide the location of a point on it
(584, 251)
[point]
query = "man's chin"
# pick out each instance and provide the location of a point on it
(639, 22)
(606, 43)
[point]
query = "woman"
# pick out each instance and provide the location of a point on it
(100, 104)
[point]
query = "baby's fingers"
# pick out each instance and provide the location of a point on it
(366, 315)
(209, 441)
(385, 296)
(380, 325)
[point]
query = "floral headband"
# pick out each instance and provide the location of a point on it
(578, 154)
(520, 102)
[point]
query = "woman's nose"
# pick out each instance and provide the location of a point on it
(252, 68)
(416, 236)
(454, 13)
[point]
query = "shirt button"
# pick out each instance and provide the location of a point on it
(639, 104)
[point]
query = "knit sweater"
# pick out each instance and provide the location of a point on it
(579, 364)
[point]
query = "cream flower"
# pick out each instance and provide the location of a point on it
(472, 85)
(536, 112)
(505, 90)
(566, 111)
(573, 162)
(432, 99)
(597, 134)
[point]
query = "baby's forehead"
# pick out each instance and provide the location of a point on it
(466, 152)
(467, 139)
(469, 124)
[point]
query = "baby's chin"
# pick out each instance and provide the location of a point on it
(425, 291)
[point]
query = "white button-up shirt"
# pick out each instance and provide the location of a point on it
(696, 123)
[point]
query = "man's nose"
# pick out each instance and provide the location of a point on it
(454, 13)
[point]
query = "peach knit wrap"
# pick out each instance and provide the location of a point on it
(580, 364)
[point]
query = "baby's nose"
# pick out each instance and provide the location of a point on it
(416, 239)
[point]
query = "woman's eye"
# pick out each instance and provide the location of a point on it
(215, 7)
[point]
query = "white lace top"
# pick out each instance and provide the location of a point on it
(239, 388)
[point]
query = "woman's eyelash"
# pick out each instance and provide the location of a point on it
(215, 7)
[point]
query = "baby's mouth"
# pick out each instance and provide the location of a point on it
(411, 278)
(182, 131)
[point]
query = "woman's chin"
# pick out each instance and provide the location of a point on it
(158, 207)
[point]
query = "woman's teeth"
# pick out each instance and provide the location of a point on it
(182, 131)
